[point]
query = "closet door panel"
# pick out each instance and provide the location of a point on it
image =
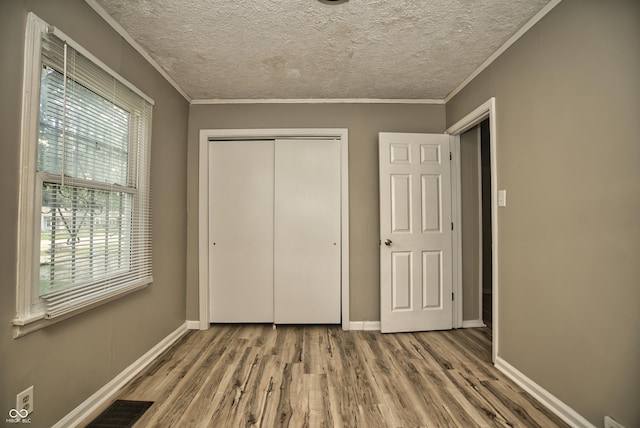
(241, 231)
(307, 232)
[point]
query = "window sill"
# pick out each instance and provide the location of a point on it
(26, 325)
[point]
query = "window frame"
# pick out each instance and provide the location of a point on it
(30, 314)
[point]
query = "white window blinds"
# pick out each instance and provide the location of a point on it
(92, 185)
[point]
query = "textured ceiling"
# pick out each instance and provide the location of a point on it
(305, 49)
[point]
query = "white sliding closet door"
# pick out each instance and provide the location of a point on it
(241, 175)
(307, 232)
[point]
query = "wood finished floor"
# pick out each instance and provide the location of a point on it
(319, 376)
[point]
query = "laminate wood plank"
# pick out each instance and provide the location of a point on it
(477, 341)
(463, 373)
(349, 362)
(254, 391)
(316, 350)
(167, 366)
(512, 412)
(207, 399)
(432, 412)
(156, 383)
(524, 407)
(170, 382)
(285, 408)
(319, 376)
(270, 392)
(467, 391)
(228, 403)
(298, 398)
(319, 402)
(242, 411)
(433, 389)
(375, 416)
(289, 343)
(470, 354)
(451, 358)
(420, 353)
(185, 391)
(350, 380)
(397, 391)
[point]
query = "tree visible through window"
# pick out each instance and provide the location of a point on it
(85, 232)
(85, 235)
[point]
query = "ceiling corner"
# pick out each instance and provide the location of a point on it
(135, 45)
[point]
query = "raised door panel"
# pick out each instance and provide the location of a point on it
(401, 203)
(431, 203)
(401, 280)
(432, 280)
(241, 231)
(307, 232)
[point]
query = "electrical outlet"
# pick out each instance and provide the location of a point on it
(24, 400)
(611, 423)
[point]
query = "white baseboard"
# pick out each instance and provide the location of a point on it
(193, 325)
(91, 404)
(364, 325)
(547, 399)
(472, 324)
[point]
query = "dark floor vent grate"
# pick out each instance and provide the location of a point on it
(121, 414)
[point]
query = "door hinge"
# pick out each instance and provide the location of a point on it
(451, 225)
(450, 156)
(452, 296)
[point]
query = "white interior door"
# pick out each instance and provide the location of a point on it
(241, 175)
(415, 232)
(307, 231)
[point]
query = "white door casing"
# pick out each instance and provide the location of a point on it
(307, 232)
(415, 232)
(487, 110)
(207, 137)
(241, 225)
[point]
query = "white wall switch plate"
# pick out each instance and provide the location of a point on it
(502, 198)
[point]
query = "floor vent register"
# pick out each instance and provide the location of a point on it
(121, 414)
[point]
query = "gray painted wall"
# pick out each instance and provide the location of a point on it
(71, 360)
(364, 122)
(568, 109)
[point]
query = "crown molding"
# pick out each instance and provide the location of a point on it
(526, 27)
(316, 101)
(135, 45)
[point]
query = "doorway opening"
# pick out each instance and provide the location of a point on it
(488, 227)
(475, 228)
(487, 274)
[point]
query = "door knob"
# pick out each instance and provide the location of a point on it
(387, 242)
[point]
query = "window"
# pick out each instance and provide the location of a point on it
(84, 233)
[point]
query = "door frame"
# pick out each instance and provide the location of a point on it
(485, 111)
(341, 134)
